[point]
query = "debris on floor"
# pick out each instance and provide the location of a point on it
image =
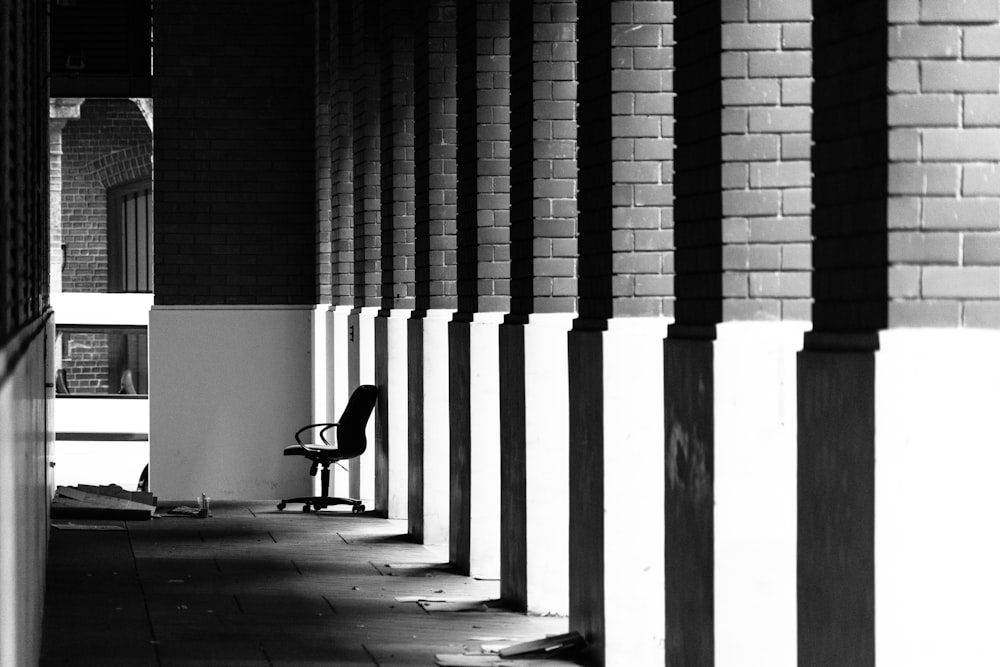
(548, 651)
(69, 525)
(202, 511)
(419, 566)
(426, 570)
(185, 511)
(549, 647)
(440, 604)
(462, 660)
(488, 660)
(86, 501)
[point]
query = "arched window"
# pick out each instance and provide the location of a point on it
(130, 237)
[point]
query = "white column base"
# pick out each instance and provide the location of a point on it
(755, 457)
(228, 388)
(546, 417)
(484, 423)
(321, 365)
(431, 526)
(338, 386)
(617, 585)
(393, 413)
(361, 370)
(633, 491)
(937, 537)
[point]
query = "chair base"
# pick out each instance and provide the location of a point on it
(321, 502)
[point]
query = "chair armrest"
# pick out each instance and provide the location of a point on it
(324, 431)
(306, 428)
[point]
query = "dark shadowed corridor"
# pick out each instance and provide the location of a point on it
(252, 586)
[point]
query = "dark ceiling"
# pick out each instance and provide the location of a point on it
(100, 48)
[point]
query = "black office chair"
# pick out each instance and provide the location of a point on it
(351, 442)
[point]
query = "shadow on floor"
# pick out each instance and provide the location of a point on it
(254, 586)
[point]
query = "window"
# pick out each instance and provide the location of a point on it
(130, 238)
(102, 360)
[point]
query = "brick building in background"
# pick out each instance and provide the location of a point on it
(109, 146)
(695, 305)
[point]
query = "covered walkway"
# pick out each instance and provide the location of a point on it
(252, 586)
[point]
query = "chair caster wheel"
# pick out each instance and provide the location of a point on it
(305, 508)
(358, 509)
(281, 506)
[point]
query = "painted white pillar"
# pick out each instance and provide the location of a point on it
(546, 425)
(633, 490)
(484, 446)
(937, 536)
(755, 493)
(361, 370)
(429, 454)
(392, 431)
(617, 558)
(338, 386)
(320, 365)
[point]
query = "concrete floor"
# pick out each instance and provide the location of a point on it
(254, 586)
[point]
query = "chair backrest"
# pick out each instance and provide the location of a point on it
(351, 439)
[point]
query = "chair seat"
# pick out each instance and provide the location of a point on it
(307, 449)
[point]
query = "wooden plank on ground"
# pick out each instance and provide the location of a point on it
(98, 500)
(71, 503)
(115, 491)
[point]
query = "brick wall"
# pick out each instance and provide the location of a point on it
(944, 148)
(86, 363)
(234, 153)
(483, 124)
(626, 148)
(435, 170)
(367, 154)
(341, 154)
(396, 112)
(766, 120)
(23, 190)
(543, 157)
(109, 145)
(849, 165)
(324, 245)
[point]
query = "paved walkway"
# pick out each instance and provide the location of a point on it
(254, 586)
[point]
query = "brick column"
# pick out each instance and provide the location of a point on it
(323, 181)
(907, 284)
(367, 223)
(434, 240)
(321, 335)
(615, 350)
(534, 410)
(836, 411)
(341, 218)
(55, 203)
(483, 88)
(396, 113)
(61, 111)
(341, 155)
(742, 305)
